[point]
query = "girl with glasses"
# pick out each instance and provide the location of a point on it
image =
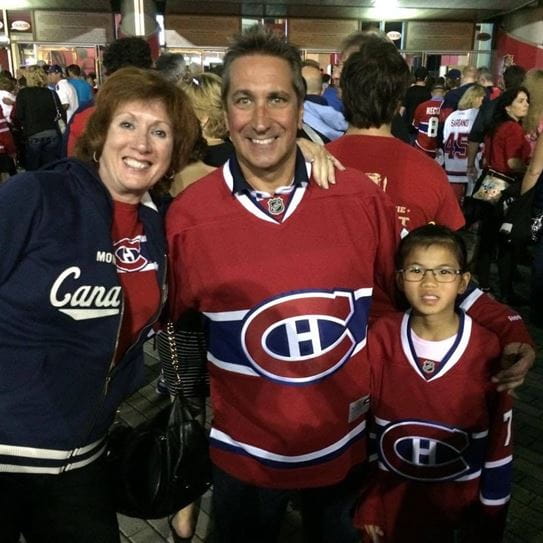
(443, 432)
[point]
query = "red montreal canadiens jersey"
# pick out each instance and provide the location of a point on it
(443, 436)
(426, 122)
(286, 303)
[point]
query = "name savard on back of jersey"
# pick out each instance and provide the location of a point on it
(424, 451)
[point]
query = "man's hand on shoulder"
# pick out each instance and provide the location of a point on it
(516, 361)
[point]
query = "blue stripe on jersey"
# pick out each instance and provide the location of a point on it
(466, 300)
(423, 128)
(496, 482)
(295, 338)
(224, 442)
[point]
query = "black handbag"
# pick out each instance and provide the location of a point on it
(488, 192)
(490, 186)
(161, 465)
(518, 218)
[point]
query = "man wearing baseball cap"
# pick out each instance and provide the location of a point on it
(453, 78)
(66, 92)
(469, 78)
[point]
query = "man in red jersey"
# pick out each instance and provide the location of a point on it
(285, 274)
(426, 122)
(372, 90)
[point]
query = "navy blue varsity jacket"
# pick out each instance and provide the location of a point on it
(61, 307)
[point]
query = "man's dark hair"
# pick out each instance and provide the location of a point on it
(513, 76)
(258, 41)
(123, 52)
(373, 82)
(432, 234)
(421, 73)
(7, 83)
(171, 66)
(73, 69)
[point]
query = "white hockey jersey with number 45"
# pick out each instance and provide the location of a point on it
(455, 143)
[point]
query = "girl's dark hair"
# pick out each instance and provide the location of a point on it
(432, 234)
(505, 99)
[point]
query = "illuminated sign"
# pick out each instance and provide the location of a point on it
(20, 26)
(393, 35)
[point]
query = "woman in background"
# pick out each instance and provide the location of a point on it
(204, 92)
(533, 123)
(506, 152)
(533, 178)
(37, 109)
(455, 139)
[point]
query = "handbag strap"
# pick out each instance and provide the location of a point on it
(175, 362)
(501, 175)
(174, 358)
(59, 114)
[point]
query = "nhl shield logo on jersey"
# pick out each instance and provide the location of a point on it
(128, 257)
(428, 366)
(276, 206)
(424, 451)
(302, 337)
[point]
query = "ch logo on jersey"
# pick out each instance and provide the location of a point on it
(300, 338)
(424, 451)
(128, 255)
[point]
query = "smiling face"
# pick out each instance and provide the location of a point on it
(519, 106)
(430, 297)
(137, 150)
(263, 116)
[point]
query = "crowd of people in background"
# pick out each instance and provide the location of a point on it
(471, 126)
(219, 174)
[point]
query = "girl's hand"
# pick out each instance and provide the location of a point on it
(374, 532)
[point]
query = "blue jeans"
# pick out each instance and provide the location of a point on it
(42, 148)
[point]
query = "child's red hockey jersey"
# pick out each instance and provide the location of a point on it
(443, 436)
